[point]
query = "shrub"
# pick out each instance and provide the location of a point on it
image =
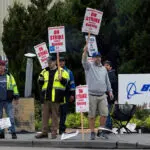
(147, 122)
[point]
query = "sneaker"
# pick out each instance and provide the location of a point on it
(41, 135)
(14, 136)
(92, 135)
(2, 135)
(102, 135)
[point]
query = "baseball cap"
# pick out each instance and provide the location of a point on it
(51, 58)
(62, 58)
(96, 54)
(108, 62)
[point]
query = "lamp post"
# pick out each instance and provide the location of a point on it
(29, 73)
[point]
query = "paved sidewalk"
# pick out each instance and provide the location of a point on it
(132, 141)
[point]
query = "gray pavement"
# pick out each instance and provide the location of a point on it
(130, 141)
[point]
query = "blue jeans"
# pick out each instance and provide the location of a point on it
(9, 111)
(108, 123)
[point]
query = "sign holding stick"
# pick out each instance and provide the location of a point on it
(42, 54)
(58, 63)
(82, 125)
(92, 21)
(82, 103)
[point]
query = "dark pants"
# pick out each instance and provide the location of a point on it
(63, 114)
(109, 120)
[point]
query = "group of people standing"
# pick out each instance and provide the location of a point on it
(57, 90)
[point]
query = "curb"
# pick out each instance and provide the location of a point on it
(73, 144)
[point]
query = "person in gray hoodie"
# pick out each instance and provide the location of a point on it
(98, 84)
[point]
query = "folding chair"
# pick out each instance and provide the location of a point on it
(123, 113)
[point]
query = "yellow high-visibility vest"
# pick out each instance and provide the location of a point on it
(11, 87)
(58, 89)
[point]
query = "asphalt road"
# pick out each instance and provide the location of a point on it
(36, 148)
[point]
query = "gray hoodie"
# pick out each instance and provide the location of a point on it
(96, 77)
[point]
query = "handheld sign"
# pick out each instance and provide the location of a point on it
(69, 135)
(92, 21)
(5, 123)
(82, 103)
(92, 45)
(82, 98)
(42, 54)
(56, 38)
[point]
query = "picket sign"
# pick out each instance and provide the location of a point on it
(82, 99)
(92, 45)
(56, 38)
(42, 54)
(92, 21)
(5, 123)
(82, 103)
(69, 135)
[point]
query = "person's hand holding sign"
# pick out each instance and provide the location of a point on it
(85, 49)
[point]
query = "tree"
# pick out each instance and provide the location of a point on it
(29, 27)
(133, 27)
(25, 28)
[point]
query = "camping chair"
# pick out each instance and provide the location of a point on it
(123, 113)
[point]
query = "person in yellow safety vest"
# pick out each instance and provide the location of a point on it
(8, 93)
(53, 86)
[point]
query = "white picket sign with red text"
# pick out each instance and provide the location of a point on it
(42, 54)
(56, 38)
(82, 98)
(92, 21)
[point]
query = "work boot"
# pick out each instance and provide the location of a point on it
(41, 135)
(92, 135)
(14, 136)
(2, 135)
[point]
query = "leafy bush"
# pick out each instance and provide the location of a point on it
(38, 125)
(73, 120)
(97, 124)
(142, 114)
(147, 122)
(141, 119)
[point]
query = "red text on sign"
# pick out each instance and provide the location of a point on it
(56, 37)
(96, 20)
(93, 14)
(57, 44)
(81, 103)
(81, 96)
(43, 59)
(91, 25)
(56, 31)
(42, 53)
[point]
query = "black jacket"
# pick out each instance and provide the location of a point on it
(114, 85)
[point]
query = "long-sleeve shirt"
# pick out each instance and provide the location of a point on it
(96, 77)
